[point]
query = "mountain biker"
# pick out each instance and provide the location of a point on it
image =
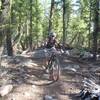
(51, 42)
(50, 46)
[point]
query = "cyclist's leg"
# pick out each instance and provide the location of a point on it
(48, 58)
(45, 60)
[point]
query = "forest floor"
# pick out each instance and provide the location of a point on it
(30, 82)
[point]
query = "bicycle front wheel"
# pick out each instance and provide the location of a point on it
(55, 70)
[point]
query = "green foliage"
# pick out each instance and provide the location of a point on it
(78, 27)
(77, 23)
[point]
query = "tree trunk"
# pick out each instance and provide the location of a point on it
(6, 13)
(96, 26)
(37, 22)
(89, 39)
(64, 27)
(73, 39)
(30, 30)
(50, 18)
(8, 31)
(9, 43)
(66, 15)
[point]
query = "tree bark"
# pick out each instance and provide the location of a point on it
(64, 27)
(9, 43)
(96, 26)
(37, 23)
(30, 35)
(5, 18)
(89, 39)
(51, 14)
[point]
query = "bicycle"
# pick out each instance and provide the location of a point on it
(53, 67)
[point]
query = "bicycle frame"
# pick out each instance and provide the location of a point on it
(53, 66)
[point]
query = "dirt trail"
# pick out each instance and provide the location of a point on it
(31, 83)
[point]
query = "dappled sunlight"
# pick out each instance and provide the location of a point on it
(26, 74)
(42, 82)
(30, 64)
(47, 48)
(26, 92)
(4, 63)
(69, 88)
(67, 61)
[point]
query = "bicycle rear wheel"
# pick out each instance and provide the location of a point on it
(55, 70)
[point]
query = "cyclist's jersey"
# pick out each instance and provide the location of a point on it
(50, 43)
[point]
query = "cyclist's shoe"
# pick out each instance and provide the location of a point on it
(47, 70)
(43, 67)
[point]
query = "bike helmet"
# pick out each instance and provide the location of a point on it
(52, 34)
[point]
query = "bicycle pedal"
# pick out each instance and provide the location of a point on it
(47, 71)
